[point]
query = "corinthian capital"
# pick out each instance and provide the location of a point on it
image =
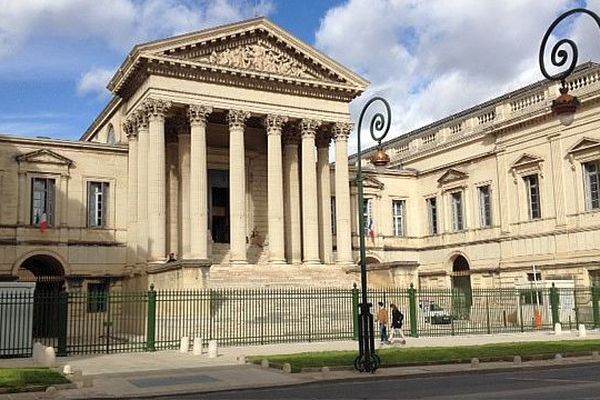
(130, 127)
(308, 127)
(198, 114)
(140, 118)
(341, 131)
(274, 124)
(237, 119)
(156, 108)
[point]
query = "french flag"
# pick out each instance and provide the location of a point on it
(371, 229)
(43, 223)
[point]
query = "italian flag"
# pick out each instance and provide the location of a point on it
(43, 223)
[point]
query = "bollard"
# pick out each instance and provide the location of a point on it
(49, 359)
(38, 352)
(67, 370)
(595, 356)
(241, 359)
(184, 345)
(517, 360)
(558, 358)
(264, 363)
(213, 351)
(474, 362)
(287, 368)
(197, 346)
(581, 330)
(557, 328)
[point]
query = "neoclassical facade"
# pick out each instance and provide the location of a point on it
(222, 160)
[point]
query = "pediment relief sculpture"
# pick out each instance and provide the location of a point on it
(44, 156)
(452, 175)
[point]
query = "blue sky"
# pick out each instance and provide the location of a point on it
(430, 58)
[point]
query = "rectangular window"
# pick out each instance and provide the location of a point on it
(42, 201)
(592, 180)
(485, 206)
(97, 204)
(533, 196)
(532, 297)
(433, 215)
(368, 216)
(458, 223)
(97, 297)
(398, 213)
(333, 216)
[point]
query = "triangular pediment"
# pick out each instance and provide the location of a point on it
(368, 182)
(527, 159)
(452, 175)
(44, 156)
(584, 144)
(255, 48)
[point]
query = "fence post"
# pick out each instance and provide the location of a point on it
(354, 311)
(596, 305)
(521, 312)
(412, 299)
(63, 321)
(151, 320)
(554, 304)
(487, 312)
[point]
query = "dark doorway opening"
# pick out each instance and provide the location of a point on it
(49, 277)
(462, 295)
(219, 205)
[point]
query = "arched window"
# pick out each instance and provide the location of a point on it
(110, 135)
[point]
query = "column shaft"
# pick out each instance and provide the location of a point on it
(184, 195)
(293, 214)
(142, 195)
(275, 189)
(132, 191)
(342, 194)
(237, 186)
(157, 179)
(324, 194)
(310, 217)
(173, 203)
(198, 182)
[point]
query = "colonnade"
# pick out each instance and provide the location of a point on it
(298, 187)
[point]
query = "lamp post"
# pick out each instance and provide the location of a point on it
(565, 105)
(367, 360)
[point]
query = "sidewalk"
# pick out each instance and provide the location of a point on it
(170, 372)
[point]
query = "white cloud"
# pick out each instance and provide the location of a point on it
(431, 59)
(118, 23)
(94, 81)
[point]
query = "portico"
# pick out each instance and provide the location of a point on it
(251, 107)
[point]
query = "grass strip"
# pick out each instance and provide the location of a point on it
(16, 379)
(399, 356)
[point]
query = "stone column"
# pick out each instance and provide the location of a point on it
(237, 186)
(173, 204)
(198, 115)
(142, 185)
(291, 182)
(274, 124)
(132, 191)
(324, 195)
(184, 195)
(156, 110)
(310, 216)
(341, 132)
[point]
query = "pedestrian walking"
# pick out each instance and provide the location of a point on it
(383, 319)
(397, 321)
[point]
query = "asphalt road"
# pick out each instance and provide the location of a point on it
(562, 382)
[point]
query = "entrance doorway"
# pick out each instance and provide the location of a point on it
(49, 277)
(462, 296)
(218, 204)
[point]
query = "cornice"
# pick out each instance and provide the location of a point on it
(119, 148)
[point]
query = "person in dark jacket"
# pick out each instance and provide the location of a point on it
(397, 321)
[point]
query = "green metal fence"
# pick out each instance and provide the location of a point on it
(96, 322)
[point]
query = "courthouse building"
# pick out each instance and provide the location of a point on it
(211, 167)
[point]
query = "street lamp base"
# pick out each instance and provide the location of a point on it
(367, 360)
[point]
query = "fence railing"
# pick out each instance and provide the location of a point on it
(99, 322)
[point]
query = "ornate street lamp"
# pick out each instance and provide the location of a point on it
(565, 105)
(367, 360)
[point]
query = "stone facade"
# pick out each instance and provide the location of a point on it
(211, 168)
